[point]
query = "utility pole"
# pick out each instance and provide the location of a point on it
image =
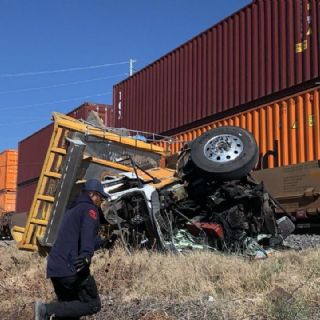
(131, 62)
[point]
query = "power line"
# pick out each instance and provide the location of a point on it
(61, 84)
(36, 73)
(25, 106)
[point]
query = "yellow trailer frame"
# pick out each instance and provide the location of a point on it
(28, 237)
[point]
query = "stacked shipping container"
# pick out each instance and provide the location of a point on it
(8, 180)
(267, 50)
(287, 129)
(33, 149)
(253, 69)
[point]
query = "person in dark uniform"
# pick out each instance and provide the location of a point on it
(69, 260)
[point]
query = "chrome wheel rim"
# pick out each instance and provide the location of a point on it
(223, 148)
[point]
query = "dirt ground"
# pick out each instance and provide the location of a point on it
(153, 286)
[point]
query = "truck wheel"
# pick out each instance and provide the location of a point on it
(226, 153)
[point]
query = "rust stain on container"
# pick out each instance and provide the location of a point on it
(285, 123)
(246, 57)
(8, 170)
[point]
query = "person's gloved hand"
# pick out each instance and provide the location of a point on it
(81, 262)
(109, 243)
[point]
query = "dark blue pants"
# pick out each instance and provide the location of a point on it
(77, 296)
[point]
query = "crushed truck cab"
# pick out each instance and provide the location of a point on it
(77, 151)
(210, 201)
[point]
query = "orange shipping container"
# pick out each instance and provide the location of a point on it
(8, 170)
(7, 201)
(288, 128)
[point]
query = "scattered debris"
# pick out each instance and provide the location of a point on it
(201, 209)
(210, 202)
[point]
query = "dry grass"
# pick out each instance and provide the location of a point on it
(152, 286)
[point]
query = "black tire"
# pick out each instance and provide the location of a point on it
(237, 146)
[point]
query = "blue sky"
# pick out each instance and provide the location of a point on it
(44, 35)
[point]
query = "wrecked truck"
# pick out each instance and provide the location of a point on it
(209, 201)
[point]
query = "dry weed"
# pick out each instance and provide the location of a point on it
(199, 285)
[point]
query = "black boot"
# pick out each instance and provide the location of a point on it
(40, 311)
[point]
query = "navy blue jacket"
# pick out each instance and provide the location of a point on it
(77, 236)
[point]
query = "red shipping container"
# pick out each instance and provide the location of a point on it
(105, 112)
(25, 195)
(33, 149)
(32, 152)
(268, 47)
